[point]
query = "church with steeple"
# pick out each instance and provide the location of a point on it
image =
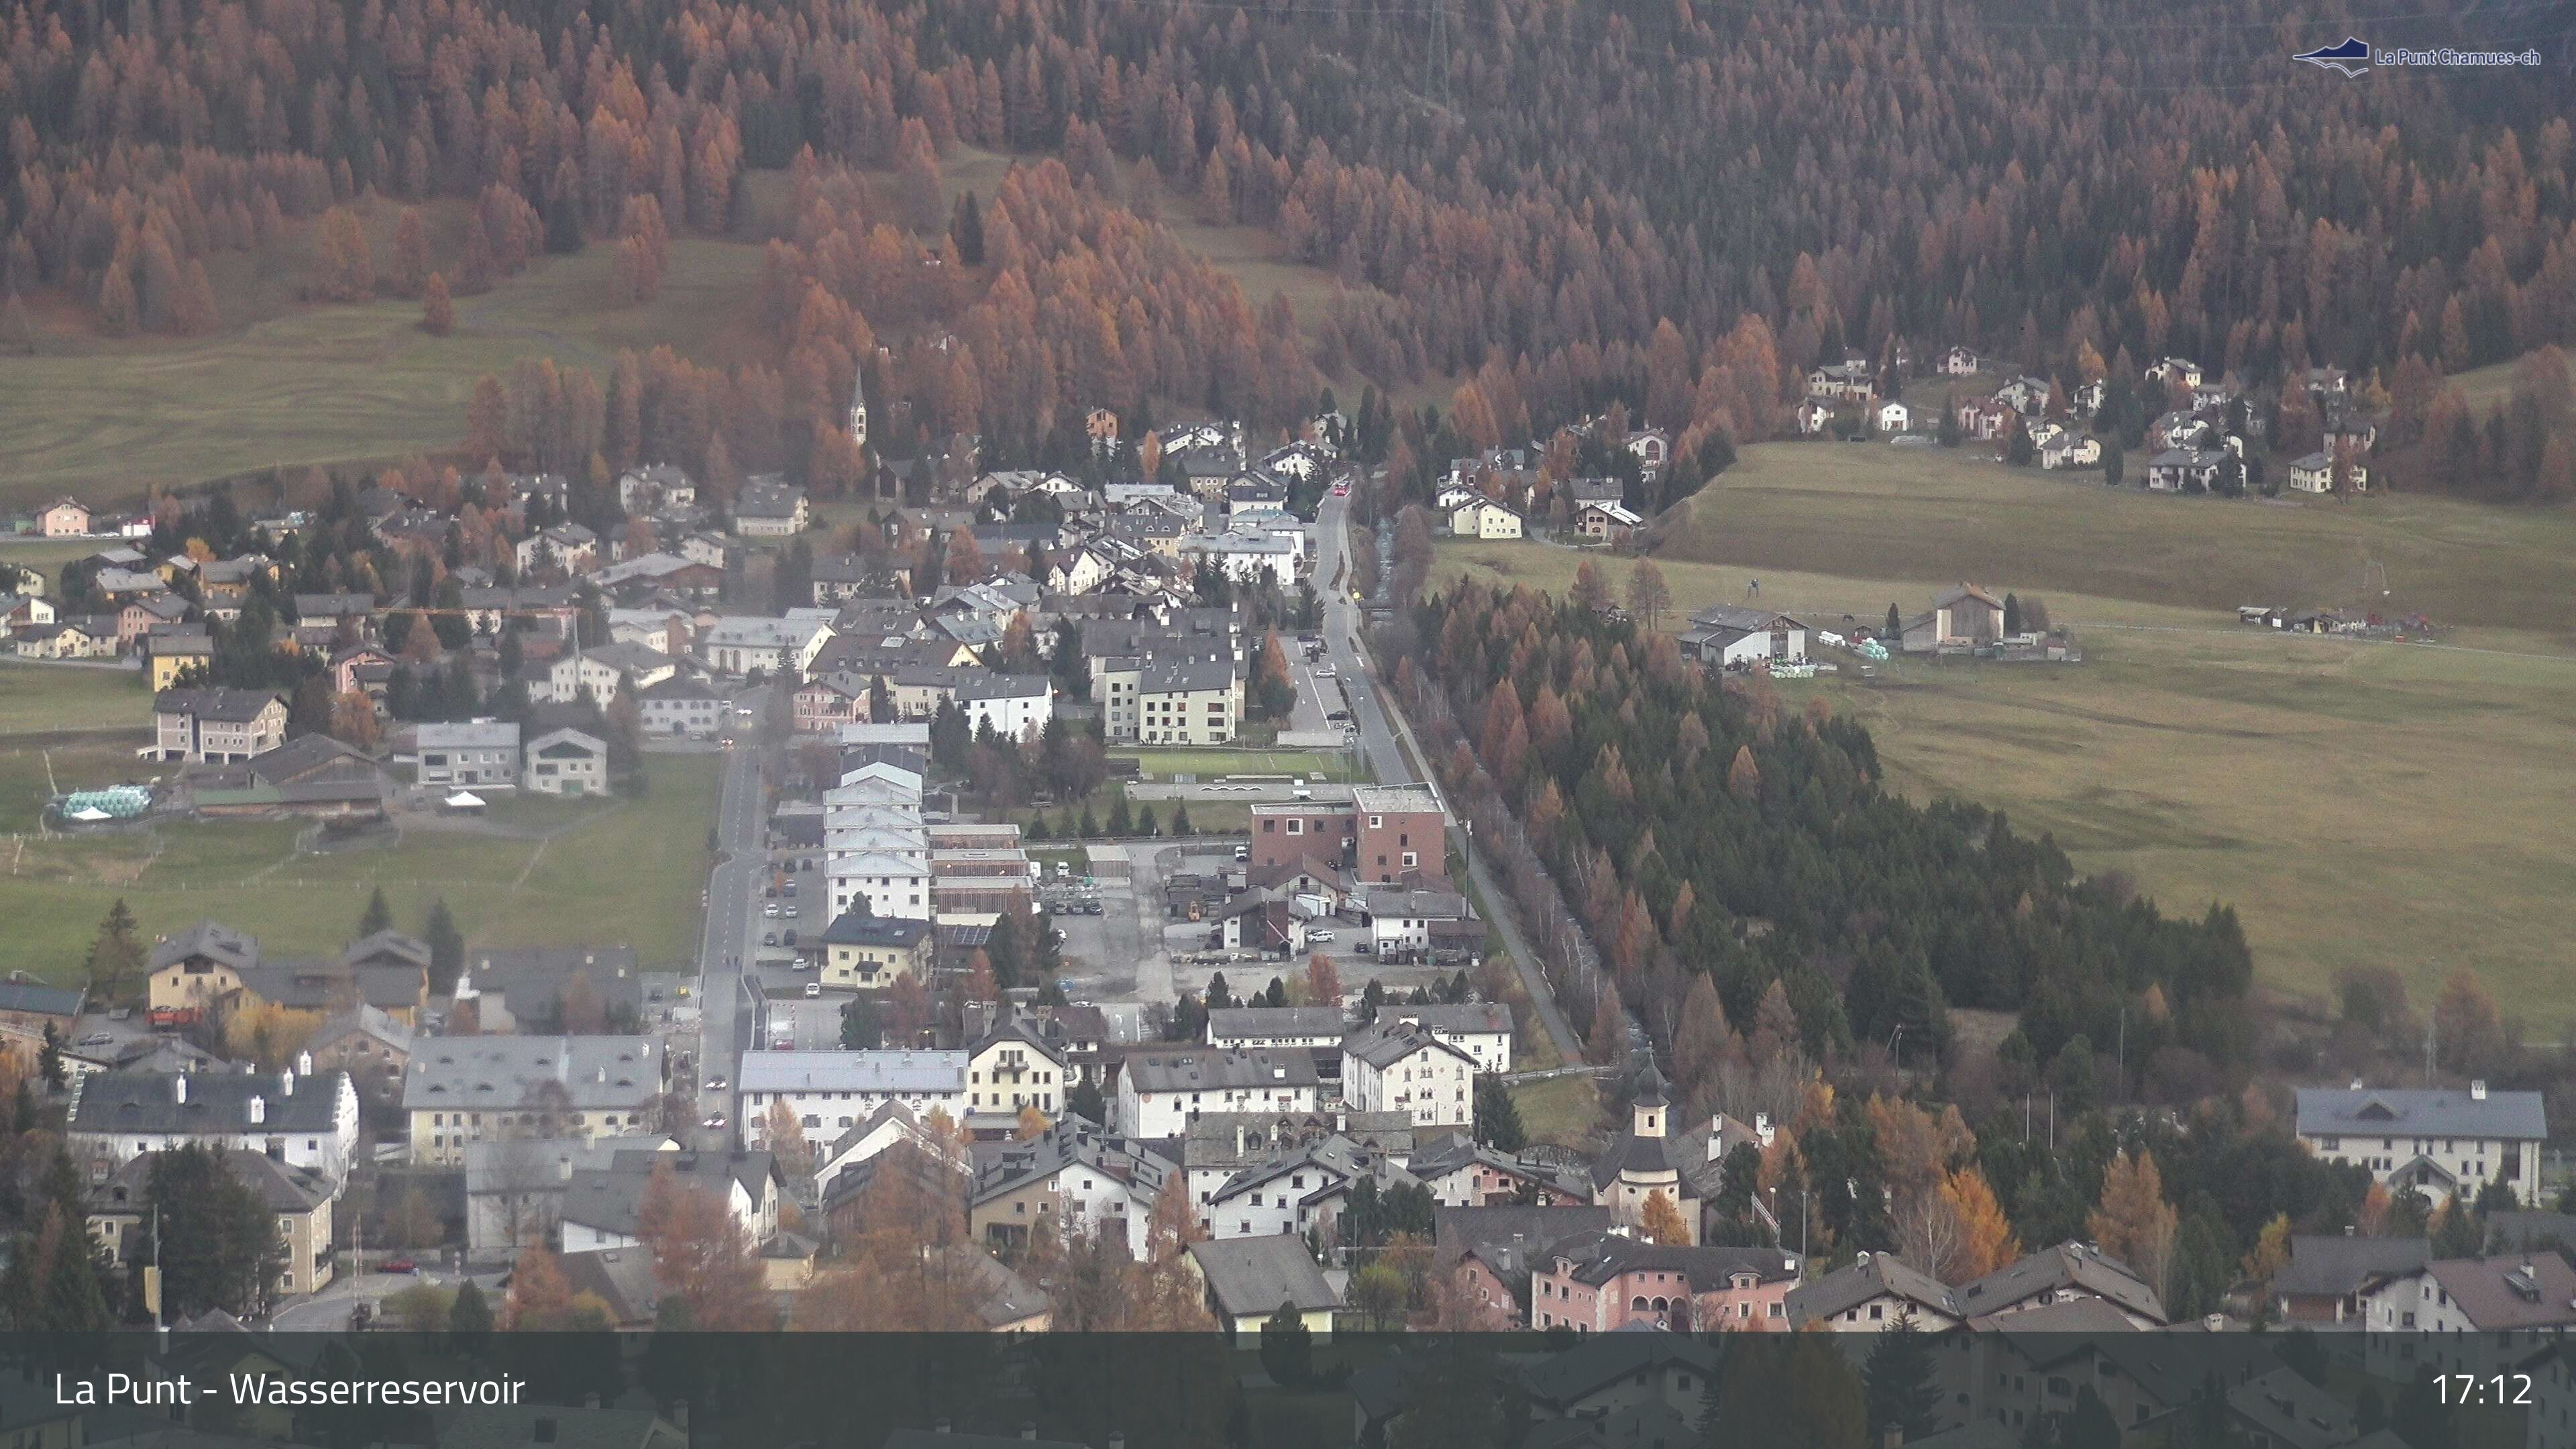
(1639, 1165)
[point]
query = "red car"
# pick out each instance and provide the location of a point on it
(398, 1265)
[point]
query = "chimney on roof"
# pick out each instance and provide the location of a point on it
(286, 1084)
(2477, 1091)
(304, 1064)
(179, 1089)
(258, 1110)
(2357, 1084)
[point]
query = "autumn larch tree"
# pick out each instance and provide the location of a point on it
(437, 309)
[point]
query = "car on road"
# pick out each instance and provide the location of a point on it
(1326, 671)
(1338, 716)
(770, 940)
(1360, 946)
(1341, 490)
(397, 1265)
(1243, 852)
(770, 911)
(788, 940)
(716, 1084)
(1319, 935)
(813, 989)
(714, 1119)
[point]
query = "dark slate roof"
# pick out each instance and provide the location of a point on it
(147, 1102)
(2067, 1265)
(1256, 1275)
(2420, 1112)
(621, 1277)
(1845, 1289)
(1509, 1239)
(1274, 1022)
(1384, 1043)
(36, 1000)
(211, 939)
(227, 706)
(858, 928)
(2334, 1265)
(1603, 1359)
(1640, 1156)
(1596, 1258)
(610, 1198)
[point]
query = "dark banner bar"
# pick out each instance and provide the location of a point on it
(1989, 1389)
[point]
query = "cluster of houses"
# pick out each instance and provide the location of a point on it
(1495, 495)
(1121, 567)
(1966, 619)
(2187, 444)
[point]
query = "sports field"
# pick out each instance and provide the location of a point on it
(2359, 803)
(628, 872)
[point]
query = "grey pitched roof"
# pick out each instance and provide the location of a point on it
(39, 1000)
(1596, 1258)
(1510, 1239)
(1848, 1288)
(1219, 1068)
(223, 705)
(621, 1277)
(1256, 1275)
(2335, 1265)
(2067, 1265)
(1602, 1359)
(1002, 1168)
(1275, 1022)
(610, 1198)
(867, 1071)
(2420, 1112)
(511, 1073)
(1384, 1043)
(217, 1102)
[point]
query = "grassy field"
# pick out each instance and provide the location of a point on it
(1926, 518)
(295, 384)
(57, 698)
(2359, 803)
(1562, 1110)
(2488, 386)
(1209, 765)
(628, 873)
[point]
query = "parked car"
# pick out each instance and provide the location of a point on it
(97, 1039)
(1319, 935)
(1243, 852)
(397, 1265)
(813, 989)
(1338, 716)
(1362, 947)
(717, 1084)
(770, 940)
(788, 940)
(714, 1119)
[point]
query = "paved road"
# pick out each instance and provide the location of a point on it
(1378, 725)
(732, 924)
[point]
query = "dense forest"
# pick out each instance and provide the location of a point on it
(1675, 206)
(1703, 830)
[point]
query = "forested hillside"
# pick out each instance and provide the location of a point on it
(1530, 201)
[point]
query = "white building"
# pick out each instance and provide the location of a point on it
(757, 644)
(479, 754)
(1400, 1066)
(1245, 557)
(465, 1089)
(566, 762)
(1483, 1030)
(1484, 519)
(303, 1119)
(1187, 702)
(1017, 706)
(891, 885)
(1159, 1092)
(831, 1092)
(2441, 1140)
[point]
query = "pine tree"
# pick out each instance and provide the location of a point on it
(1498, 1117)
(1898, 1379)
(469, 1320)
(446, 947)
(378, 916)
(1895, 626)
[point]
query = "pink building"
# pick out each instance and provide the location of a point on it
(1604, 1281)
